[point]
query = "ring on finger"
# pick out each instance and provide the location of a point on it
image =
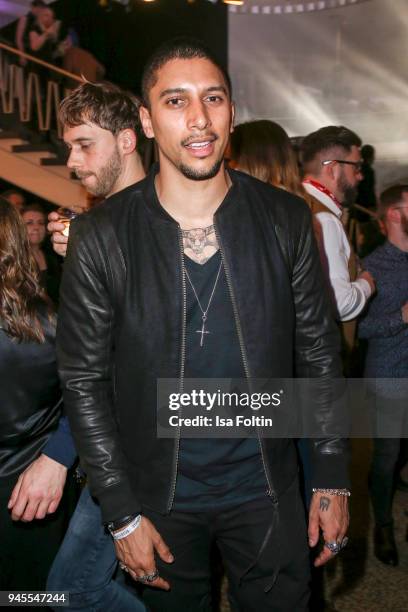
(148, 577)
(334, 547)
(123, 566)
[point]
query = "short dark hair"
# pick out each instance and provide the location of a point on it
(39, 3)
(390, 197)
(104, 104)
(181, 47)
(327, 138)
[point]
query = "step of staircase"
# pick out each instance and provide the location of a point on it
(53, 161)
(8, 135)
(32, 148)
(22, 164)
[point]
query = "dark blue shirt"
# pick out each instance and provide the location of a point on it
(382, 325)
(215, 472)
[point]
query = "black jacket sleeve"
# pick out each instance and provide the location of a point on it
(317, 359)
(85, 349)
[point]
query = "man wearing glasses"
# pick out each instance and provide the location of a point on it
(332, 168)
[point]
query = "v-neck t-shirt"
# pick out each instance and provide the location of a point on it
(215, 472)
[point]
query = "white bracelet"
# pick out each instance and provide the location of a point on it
(130, 528)
(345, 492)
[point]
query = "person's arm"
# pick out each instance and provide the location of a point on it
(379, 324)
(61, 447)
(317, 353)
(37, 40)
(39, 488)
(85, 346)
(85, 355)
(350, 297)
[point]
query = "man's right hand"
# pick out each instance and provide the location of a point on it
(370, 280)
(404, 310)
(137, 550)
(59, 241)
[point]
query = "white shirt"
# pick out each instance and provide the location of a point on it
(350, 297)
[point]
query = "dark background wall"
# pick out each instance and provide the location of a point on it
(122, 40)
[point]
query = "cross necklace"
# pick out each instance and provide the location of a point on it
(203, 331)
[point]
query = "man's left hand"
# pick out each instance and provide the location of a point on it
(330, 514)
(38, 490)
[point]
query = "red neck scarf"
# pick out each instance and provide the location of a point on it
(324, 190)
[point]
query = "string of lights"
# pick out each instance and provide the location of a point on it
(287, 8)
(256, 8)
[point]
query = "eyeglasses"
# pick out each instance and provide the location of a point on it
(357, 165)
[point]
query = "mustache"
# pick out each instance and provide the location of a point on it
(200, 138)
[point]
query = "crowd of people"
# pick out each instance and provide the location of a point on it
(229, 259)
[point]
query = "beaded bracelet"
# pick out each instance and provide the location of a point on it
(345, 492)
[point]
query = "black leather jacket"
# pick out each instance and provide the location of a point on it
(122, 326)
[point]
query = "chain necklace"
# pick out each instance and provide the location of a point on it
(203, 331)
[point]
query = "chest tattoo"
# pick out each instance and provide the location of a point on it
(200, 244)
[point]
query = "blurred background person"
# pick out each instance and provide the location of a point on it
(44, 38)
(25, 24)
(15, 197)
(385, 327)
(332, 171)
(263, 149)
(34, 217)
(33, 472)
(366, 195)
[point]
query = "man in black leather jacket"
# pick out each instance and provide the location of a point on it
(194, 242)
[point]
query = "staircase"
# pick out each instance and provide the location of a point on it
(32, 155)
(35, 168)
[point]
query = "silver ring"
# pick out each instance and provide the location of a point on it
(334, 547)
(148, 577)
(123, 566)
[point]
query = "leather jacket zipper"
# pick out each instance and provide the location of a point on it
(270, 492)
(182, 367)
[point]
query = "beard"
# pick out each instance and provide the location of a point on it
(349, 192)
(106, 177)
(200, 175)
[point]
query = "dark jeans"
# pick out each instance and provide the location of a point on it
(385, 457)
(86, 563)
(264, 549)
(390, 425)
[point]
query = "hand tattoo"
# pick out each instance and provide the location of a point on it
(200, 244)
(324, 504)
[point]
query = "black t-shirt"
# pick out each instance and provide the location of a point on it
(215, 472)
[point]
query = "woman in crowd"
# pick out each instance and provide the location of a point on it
(44, 37)
(35, 221)
(34, 454)
(263, 149)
